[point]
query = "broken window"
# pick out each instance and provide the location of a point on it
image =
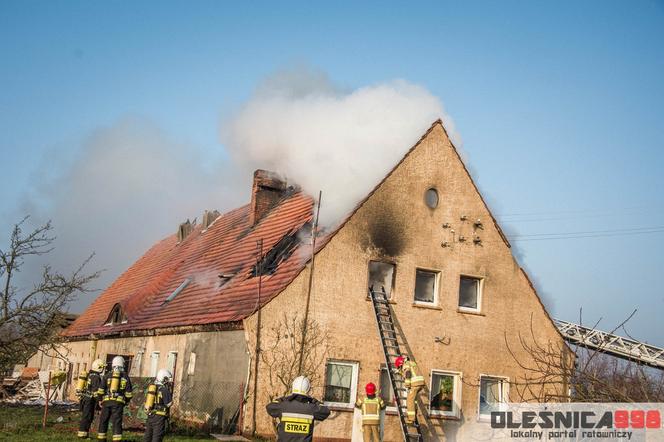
(444, 400)
(116, 316)
(280, 252)
(128, 359)
(341, 383)
(381, 277)
(470, 290)
(426, 282)
(493, 393)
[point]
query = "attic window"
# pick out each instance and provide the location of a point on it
(177, 291)
(116, 316)
(280, 252)
(431, 198)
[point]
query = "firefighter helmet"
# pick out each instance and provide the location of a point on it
(97, 365)
(370, 388)
(301, 385)
(399, 361)
(118, 362)
(164, 376)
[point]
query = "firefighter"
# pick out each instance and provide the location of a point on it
(413, 382)
(297, 413)
(116, 393)
(86, 389)
(157, 404)
(370, 406)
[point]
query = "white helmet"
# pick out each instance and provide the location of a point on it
(164, 376)
(97, 365)
(118, 362)
(301, 385)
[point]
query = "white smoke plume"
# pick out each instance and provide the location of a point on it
(131, 183)
(129, 186)
(322, 137)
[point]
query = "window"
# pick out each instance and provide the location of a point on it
(431, 198)
(470, 293)
(381, 276)
(128, 359)
(136, 365)
(426, 283)
(445, 393)
(341, 383)
(116, 316)
(172, 361)
(386, 392)
(191, 367)
(493, 392)
(154, 363)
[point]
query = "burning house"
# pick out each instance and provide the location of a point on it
(222, 303)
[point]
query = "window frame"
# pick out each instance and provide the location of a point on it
(388, 406)
(480, 293)
(355, 370)
(504, 392)
(394, 276)
(436, 287)
(456, 396)
(154, 361)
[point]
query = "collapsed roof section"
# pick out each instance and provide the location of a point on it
(219, 262)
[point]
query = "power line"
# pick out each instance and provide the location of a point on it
(588, 232)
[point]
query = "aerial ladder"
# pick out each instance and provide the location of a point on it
(391, 350)
(611, 344)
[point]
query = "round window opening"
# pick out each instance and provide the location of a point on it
(431, 198)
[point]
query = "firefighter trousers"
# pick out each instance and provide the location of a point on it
(111, 412)
(155, 428)
(410, 403)
(88, 405)
(371, 433)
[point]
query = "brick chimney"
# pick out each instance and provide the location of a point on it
(266, 192)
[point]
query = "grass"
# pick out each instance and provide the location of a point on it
(23, 423)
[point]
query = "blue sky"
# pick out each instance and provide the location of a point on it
(559, 105)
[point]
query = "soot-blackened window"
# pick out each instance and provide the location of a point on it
(426, 282)
(381, 277)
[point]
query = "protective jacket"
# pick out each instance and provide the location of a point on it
(163, 401)
(411, 375)
(370, 406)
(296, 414)
(88, 402)
(93, 383)
(156, 425)
(122, 394)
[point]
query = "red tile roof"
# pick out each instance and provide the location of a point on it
(228, 246)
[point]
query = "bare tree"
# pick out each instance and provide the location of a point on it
(282, 351)
(31, 317)
(558, 372)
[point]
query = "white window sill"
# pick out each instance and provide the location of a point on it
(428, 305)
(441, 415)
(470, 311)
(339, 406)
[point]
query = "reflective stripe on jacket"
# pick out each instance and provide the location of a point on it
(410, 372)
(370, 410)
(124, 393)
(163, 401)
(296, 414)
